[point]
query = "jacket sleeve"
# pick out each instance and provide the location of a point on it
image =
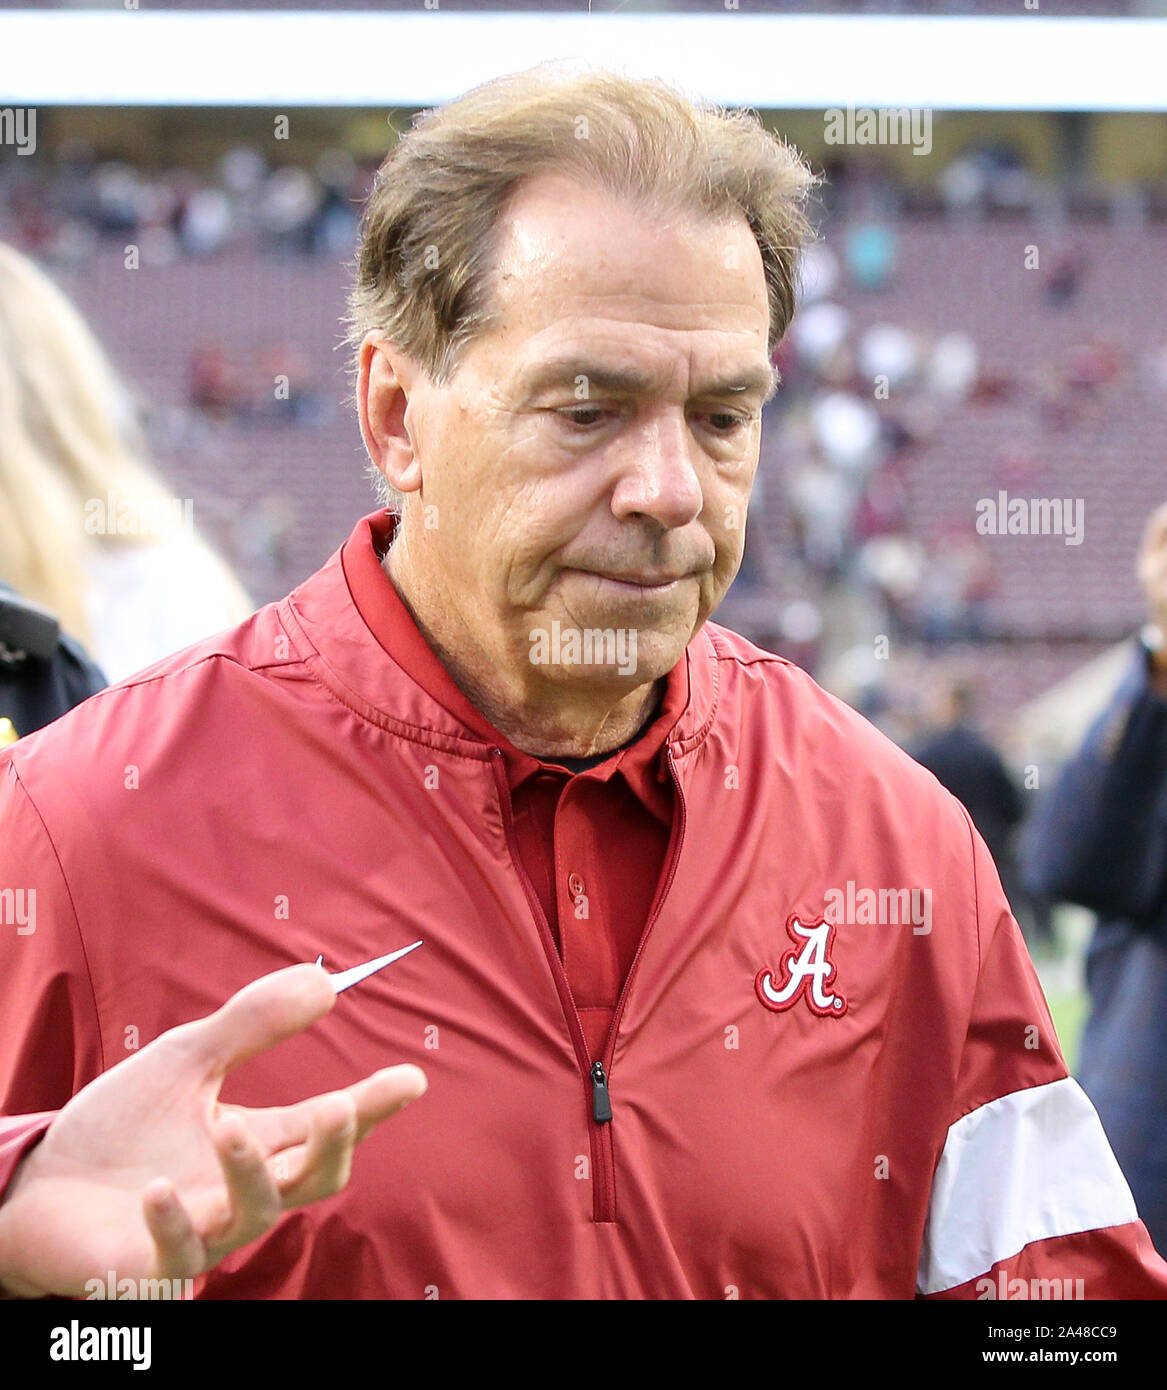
(1100, 837)
(1027, 1199)
(49, 1038)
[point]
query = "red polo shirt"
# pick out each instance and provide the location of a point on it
(593, 842)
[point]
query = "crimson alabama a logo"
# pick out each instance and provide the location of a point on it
(804, 972)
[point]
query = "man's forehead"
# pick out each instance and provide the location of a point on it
(594, 284)
(578, 239)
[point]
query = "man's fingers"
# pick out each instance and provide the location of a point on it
(386, 1092)
(318, 1137)
(312, 1142)
(322, 1133)
(255, 1203)
(323, 1165)
(263, 1013)
(181, 1254)
(377, 1096)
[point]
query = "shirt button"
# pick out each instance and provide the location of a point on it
(575, 885)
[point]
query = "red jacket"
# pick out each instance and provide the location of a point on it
(832, 1073)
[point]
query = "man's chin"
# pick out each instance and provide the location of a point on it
(618, 658)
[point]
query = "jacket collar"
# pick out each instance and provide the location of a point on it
(356, 636)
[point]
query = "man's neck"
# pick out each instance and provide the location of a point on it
(555, 721)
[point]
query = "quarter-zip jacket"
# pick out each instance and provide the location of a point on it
(799, 1097)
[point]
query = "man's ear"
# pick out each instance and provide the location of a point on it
(385, 380)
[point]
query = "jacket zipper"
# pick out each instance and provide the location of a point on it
(595, 1071)
(592, 1070)
(602, 1102)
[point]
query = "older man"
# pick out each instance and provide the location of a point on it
(716, 991)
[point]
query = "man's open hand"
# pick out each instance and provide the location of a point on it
(145, 1173)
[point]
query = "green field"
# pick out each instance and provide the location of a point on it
(1062, 979)
(1069, 1012)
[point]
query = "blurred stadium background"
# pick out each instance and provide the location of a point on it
(1042, 374)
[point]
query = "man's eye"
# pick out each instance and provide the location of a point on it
(587, 416)
(574, 414)
(725, 421)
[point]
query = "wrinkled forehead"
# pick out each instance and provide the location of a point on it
(578, 266)
(572, 235)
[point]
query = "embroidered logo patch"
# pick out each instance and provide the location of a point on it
(804, 972)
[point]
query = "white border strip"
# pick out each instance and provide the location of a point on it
(780, 62)
(1030, 1166)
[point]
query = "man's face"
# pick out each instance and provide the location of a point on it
(591, 459)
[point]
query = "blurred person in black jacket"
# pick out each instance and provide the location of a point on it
(1100, 839)
(962, 759)
(43, 672)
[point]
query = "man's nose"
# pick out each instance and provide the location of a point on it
(659, 478)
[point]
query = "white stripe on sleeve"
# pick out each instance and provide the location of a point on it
(1026, 1167)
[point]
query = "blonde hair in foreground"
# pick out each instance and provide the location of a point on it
(67, 434)
(427, 235)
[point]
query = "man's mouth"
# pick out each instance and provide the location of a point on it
(639, 583)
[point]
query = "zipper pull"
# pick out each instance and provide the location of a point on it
(601, 1104)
